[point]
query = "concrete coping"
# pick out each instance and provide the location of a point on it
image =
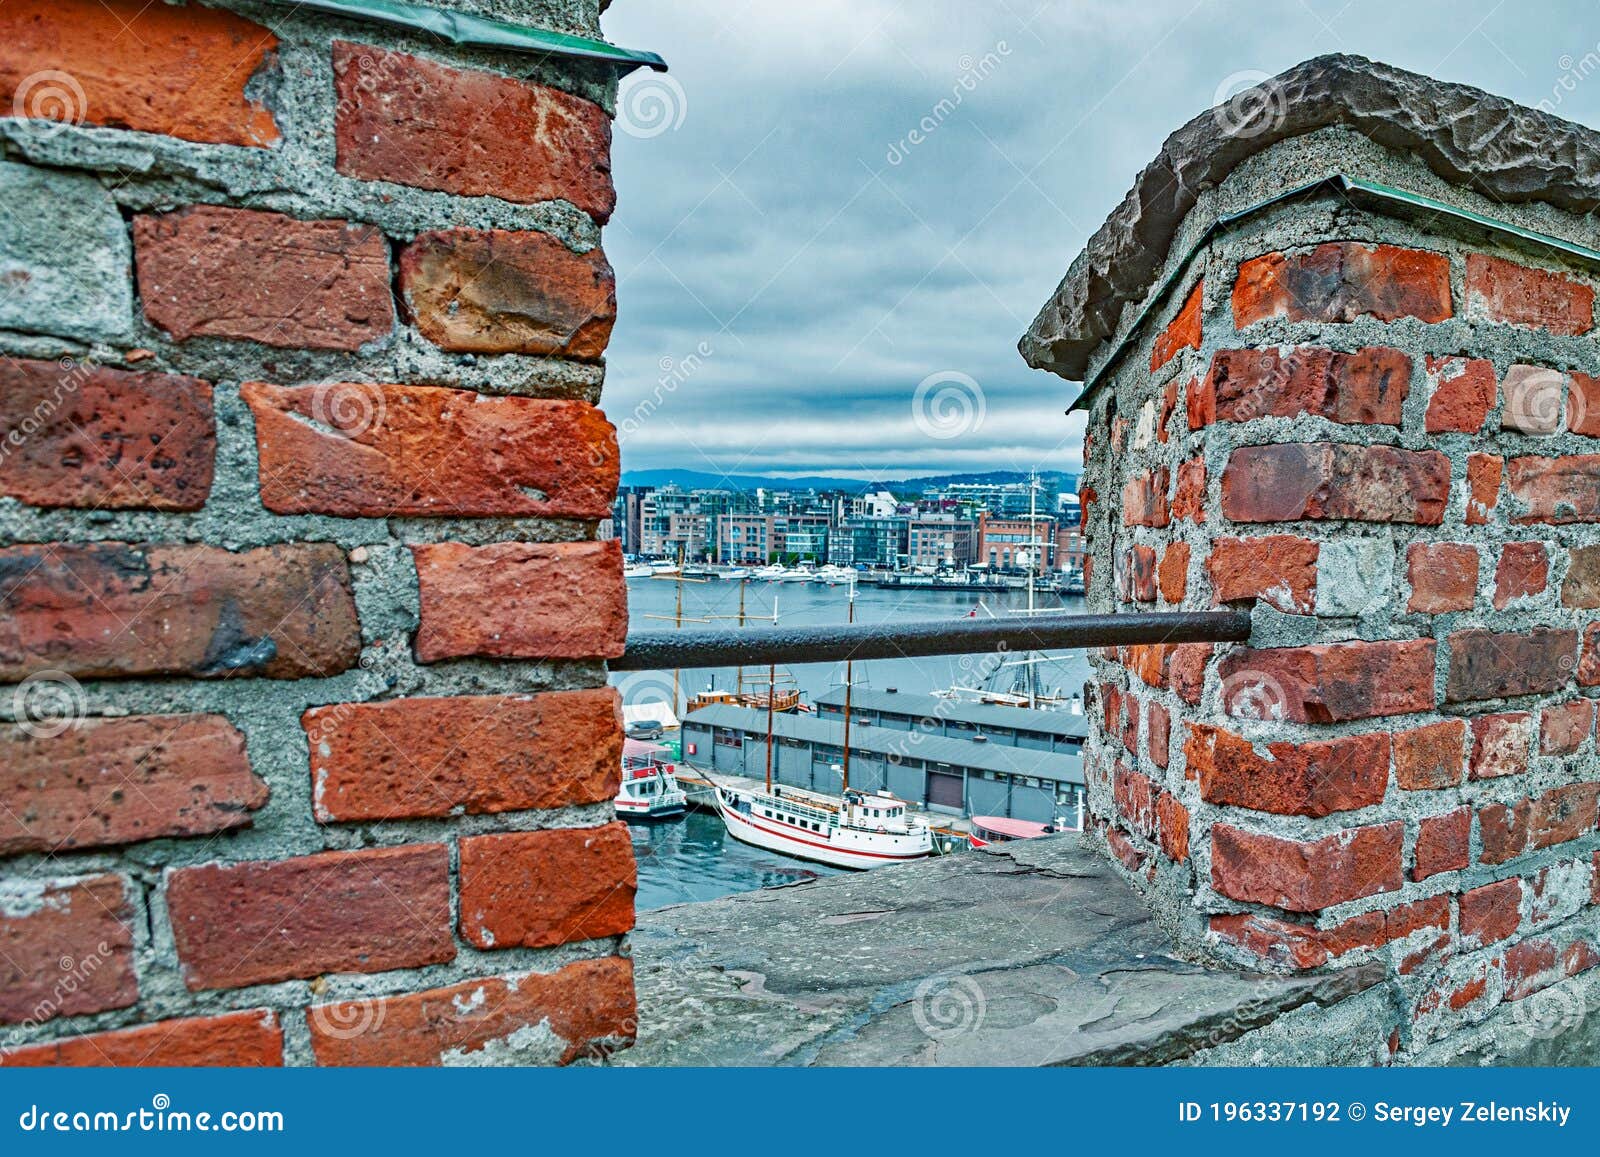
(1505, 151)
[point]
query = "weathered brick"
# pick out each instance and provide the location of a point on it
(1500, 745)
(1443, 577)
(1158, 733)
(498, 291)
(1503, 831)
(1443, 844)
(1365, 387)
(583, 1009)
(1329, 683)
(415, 122)
(1491, 913)
(362, 450)
(1144, 499)
(66, 948)
(537, 889)
(1172, 575)
(1322, 480)
(409, 758)
(1558, 490)
(1523, 571)
(1139, 574)
(521, 600)
(1306, 876)
(1172, 820)
(1563, 728)
(1563, 813)
(1182, 332)
(87, 436)
(1189, 495)
(1135, 797)
(113, 609)
(1530, 966)
(1583, 404)
(214, 271)
(1278, 569)
(1186, 670)
(1461, 394)
(1307, 779)
(1589, 664)
(1430, 757)
(113, 781)
(1342, 281)
(252, 1038)
(1581, 588)
(1533, 396)
(264, 921)
(155, 68)
(1501, 664)
(1503, 291)
(1483, 486)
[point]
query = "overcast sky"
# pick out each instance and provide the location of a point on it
(803, 289)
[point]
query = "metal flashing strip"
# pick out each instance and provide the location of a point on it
(468, 31)
(1383, 198)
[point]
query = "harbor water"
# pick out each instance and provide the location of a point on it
(694, 858)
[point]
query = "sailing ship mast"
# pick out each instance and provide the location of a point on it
(849, 681)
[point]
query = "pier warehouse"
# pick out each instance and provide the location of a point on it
(956, 776)
(1062, 731)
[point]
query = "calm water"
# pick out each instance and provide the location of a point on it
(694, 858)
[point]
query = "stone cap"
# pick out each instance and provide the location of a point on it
(1506, 151)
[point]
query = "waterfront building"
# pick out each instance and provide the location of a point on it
(1059, 731)
(940, 542)
(1003, 543)
(880, 542)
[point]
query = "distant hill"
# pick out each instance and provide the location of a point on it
(704, 480)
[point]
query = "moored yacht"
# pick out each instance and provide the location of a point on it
(650, 788)
(774, 573)
(637, 570)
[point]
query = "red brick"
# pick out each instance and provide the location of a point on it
(361, 450)
(584, 1009)
(1275, 941)
(154, 68)
(408, 758)
(1524, 571)
(1278, 569)
(83, 435)
(537, 889)
(1443, 577)
(1182, 332)
(1563, 728)
(1329, 683)
(415, 122)
(1556, 490)
(1443, 844)
(1502, 664)
(1172, 576)
(1581, 588)
(1467, 993)
(266, 920)
(1172, 818)
(1366, 387)
(503, 292)
(1189, 496)
(1533, 396)
(1305, 779)
(1503, 831)
(1342, 281)
(1322, 480)
(521, 600)
(1430, 757)
(1135, 797)
(1500, 745)
(1589, 665)
(112, 609)
(1491, 913)
(66, 949)
(1583, 404)
(1504, 291)
(1563, 813)
(1139, 574)
(1186, 670)
(1144, 499)
(1122, 848)
(104, 782)
(1158, 733)
(1530, 967)
(1169, 405)
(212, 271)
(1483, 486)
(1305, 877)
(251, 1038)
(1462, 392)
(1200, 405)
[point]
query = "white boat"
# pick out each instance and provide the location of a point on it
(736, 573)
(861, 830)
(773, 573)
(663, 567)
(833, 575)
(637, 570)
(800, 574)
(650, 788)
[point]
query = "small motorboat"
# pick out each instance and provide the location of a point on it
(650, 788)
(988, 830)
(634, 570)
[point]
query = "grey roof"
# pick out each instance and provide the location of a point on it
(1450, 127)
(919, 706)
(885, 741)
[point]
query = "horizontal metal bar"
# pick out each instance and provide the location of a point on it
(753, 646)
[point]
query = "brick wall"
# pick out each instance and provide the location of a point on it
(1379, 434)
(309, 754)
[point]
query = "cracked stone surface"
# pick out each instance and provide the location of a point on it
(1030, 954)
(1495, 146)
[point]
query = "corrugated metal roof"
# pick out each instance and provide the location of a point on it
(920, 705)
(883, 741)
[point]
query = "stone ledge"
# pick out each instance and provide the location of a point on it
(1030, 954)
